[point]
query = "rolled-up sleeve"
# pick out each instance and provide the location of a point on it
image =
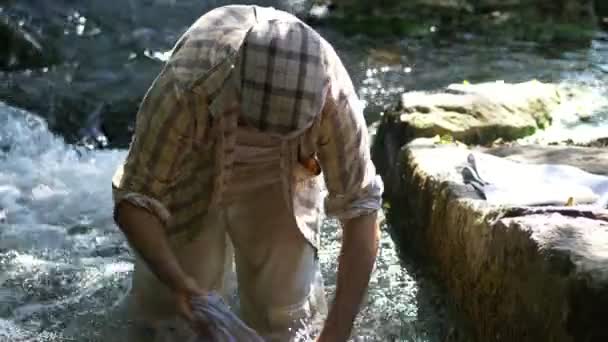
(354, 188)
(163, 137)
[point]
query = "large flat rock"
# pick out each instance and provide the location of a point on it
(474, 114)
(479, 113)
(519, 273)
(594, 160)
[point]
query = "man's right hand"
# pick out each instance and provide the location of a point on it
(146, 235)
(184, 294)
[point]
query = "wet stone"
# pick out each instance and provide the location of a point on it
(520, 273)
(80, 230)
(22, 49)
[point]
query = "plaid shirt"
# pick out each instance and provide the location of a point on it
(291, 88)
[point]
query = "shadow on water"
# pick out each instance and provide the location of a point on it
(448, 324)
(402, 304)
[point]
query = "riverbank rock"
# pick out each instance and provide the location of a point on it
(593, 160)
(518, 273)
(22, 49)
(564, 21)
(601, 142)
(479, 113)
(470, 113)
(560, 9)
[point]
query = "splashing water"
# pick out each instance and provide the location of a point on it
(61, 259)
(65, 268)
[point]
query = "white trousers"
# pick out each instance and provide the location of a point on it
(277, 271)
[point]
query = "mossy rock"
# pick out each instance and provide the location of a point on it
(412, 19)
(479, 114)
(473, 114)
(516, 277)
(22, 48)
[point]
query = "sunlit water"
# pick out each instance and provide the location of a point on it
(65, 268)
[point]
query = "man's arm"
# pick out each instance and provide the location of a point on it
(147, 236)
(163, 137)
(355, 196)
(356, 262)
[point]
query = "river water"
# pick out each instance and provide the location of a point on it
(65, 268)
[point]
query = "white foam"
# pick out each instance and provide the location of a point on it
(44, 180)
(46, 187)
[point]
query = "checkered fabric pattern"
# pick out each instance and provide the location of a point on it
(263, 68)
(283, 76)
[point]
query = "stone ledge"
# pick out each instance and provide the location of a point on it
(536, 277)
(590, 159)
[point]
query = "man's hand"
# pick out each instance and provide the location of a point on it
(357, 257)
(183, 297)
(146, 235)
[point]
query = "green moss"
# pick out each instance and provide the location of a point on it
(571, 32)
(406, 20)
(530, 130)
(446, 139)
(541, 114)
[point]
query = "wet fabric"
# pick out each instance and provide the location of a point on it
(501, 181)
(219, 322)
(251, 253)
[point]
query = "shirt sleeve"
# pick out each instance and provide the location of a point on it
(354, 188)
(163, 136)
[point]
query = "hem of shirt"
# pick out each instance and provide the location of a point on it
(145, 202)
(355, 213)
(344, 209)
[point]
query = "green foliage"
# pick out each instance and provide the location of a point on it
(525, 23)
(445, 139)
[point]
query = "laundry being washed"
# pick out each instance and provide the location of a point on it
(501, 181)
(219, 322)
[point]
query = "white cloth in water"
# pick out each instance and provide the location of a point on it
(222, 324)
(502, 181)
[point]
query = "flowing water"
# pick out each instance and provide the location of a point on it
(65, 268)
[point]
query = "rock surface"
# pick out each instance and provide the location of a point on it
(470, 113)
(591, 159)
(479, 113)
(518, 274)
(21, 48)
